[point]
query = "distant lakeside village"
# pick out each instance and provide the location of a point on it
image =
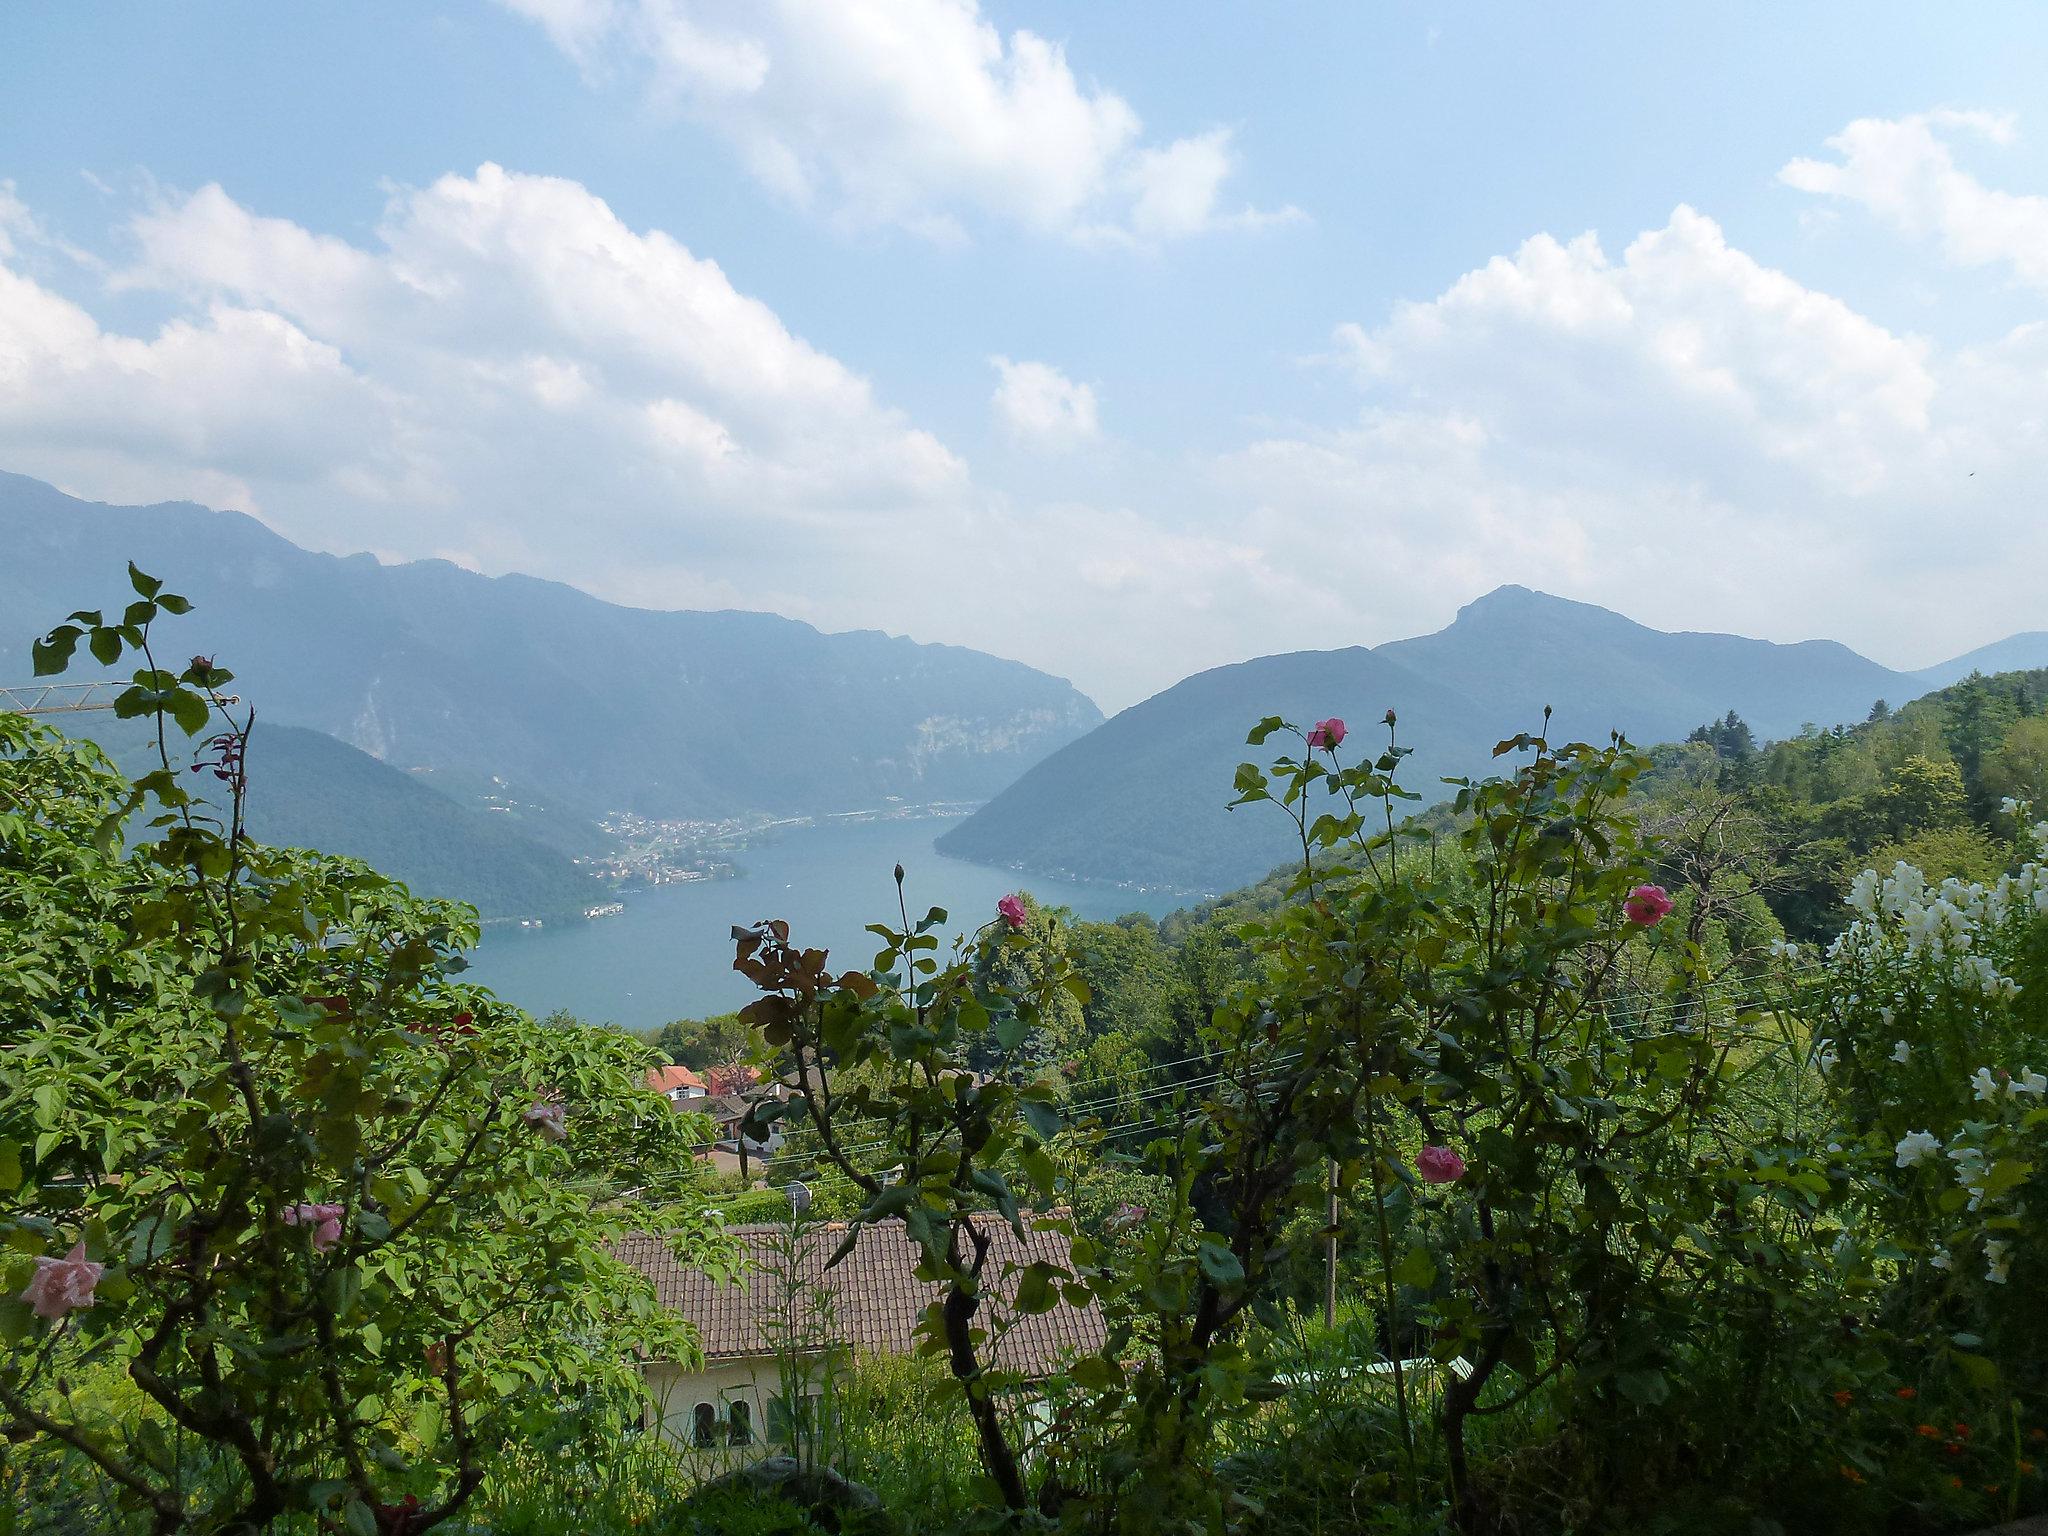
(651, 851)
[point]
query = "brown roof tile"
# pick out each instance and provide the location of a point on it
(876, 1297)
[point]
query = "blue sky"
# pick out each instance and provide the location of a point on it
(1121, 339)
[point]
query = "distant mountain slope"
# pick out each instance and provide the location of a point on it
(535, 690)
(1514, 650)
(307, 790)
(311, 791)
(1142, 799)
(2015, 653)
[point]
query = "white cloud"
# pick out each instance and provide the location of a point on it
(906, 112)
(1039, 405)
(1904, 171)
(510, 375)
(1683, 434)
(508, 370)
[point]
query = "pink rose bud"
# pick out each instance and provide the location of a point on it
(1327, 734)
(1439, 1165)
(1647, 905)
(325, 1220)
(1011, 910)
(62, 1285)
(546, 1119)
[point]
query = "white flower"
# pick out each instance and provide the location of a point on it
(2009, 806)
(1783, 950)
(1824, 1056)
(1998, 1258)
(1915, 1147)
(1987, 1086)
(1902, 1053)
(2030, 1081)
(1942, 1261)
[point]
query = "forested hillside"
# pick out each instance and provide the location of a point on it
(311, 791)
(1143, 799)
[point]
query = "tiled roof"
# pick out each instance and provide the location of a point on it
(669, 1079)
(876, 1297)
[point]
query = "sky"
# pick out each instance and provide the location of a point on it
(1123, 340)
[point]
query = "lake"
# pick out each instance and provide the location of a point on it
(669, 954)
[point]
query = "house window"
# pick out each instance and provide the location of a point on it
(704, 1426)
(742, 1423)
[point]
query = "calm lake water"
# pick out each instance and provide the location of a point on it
(669, 954)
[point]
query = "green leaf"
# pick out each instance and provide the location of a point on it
(52, 653)
(1092, 1373)
(1417, 1268)
(1982, 1372)
(105, 645)
(1042, 1117)
(10, 1167)
(357, 1517)
(1219, 1263)
(146, 586)
(189, 710)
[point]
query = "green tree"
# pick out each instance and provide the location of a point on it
(722, 1040)
(2019, 768)
(343, 1221)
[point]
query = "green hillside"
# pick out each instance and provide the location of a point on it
(307, 790)
(1142, 800)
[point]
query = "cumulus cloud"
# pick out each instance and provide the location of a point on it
(508, 356)
(1681, 433)
(1904, 171)
(1037, 404)
(508, 374)
(907, 112)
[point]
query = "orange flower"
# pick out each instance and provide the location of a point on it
(1960, 1431)
(1955, 1482)
(1907, 1394)
(1928, 1432)
(2026, 1469)
(1844, 1398)
(1850, 1473)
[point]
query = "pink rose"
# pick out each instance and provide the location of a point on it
(325, 1220)
(1327, 734)
(1647, 905)
(548, 1120)
(60, 1285)
(1011, 910)
(1439, 1165)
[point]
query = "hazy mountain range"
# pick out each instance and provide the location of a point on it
(513, 689)
(1142, 798)
(440, 691)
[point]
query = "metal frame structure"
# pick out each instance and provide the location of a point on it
(60, 698)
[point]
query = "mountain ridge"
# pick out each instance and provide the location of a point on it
(1456, 693)
(586, 706)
